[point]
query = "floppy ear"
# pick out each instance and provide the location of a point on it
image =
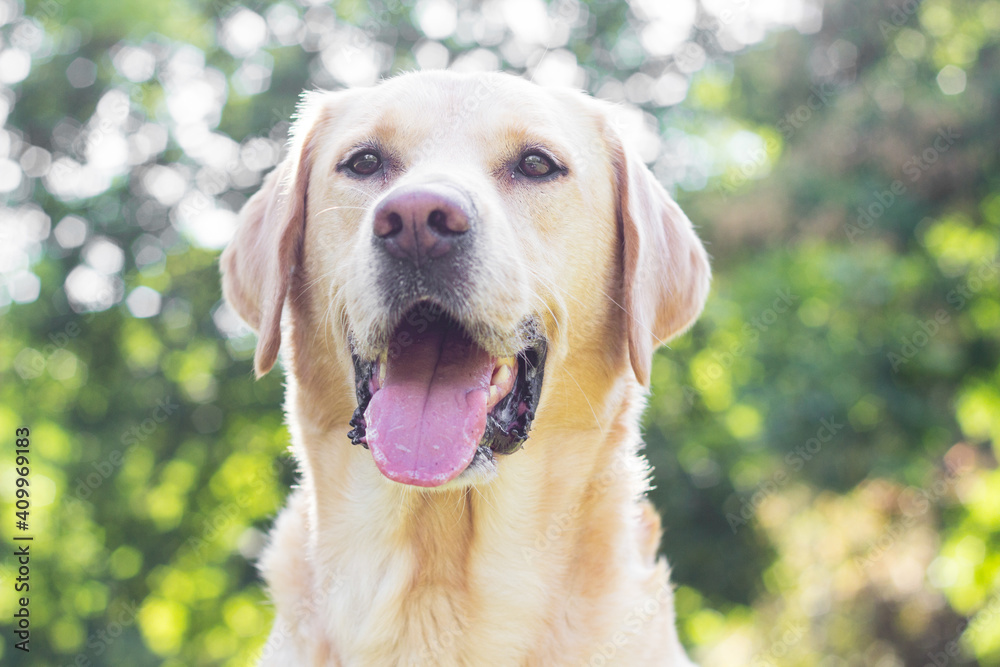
(258, 263)
(666, 271)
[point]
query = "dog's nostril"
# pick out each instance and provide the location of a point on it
(388, 225)
(395, 223)
(438, 221)
(443, 223)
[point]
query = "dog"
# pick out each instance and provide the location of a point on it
(467, 276)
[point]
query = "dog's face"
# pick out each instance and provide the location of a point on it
(457, 247)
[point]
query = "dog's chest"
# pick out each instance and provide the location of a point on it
(378, 617)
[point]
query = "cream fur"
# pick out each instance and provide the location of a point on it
(552, 561)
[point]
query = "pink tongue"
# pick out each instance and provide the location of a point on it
(424, 425)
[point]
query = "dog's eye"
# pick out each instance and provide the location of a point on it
(365, 163)
(535, 165)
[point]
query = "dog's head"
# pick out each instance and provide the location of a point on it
(447, 243)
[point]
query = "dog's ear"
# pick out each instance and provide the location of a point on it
(666, 270)
(258, 263)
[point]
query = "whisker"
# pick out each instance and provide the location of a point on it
(367, 195)
(345, 206)
(326, 326)
(550, 284)
(545, 303)
(461, 501)
(635, 319)
(609, 298)
(485, 499)
(597, 419)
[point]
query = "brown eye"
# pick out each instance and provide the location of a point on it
(365, 163)
(534, 165)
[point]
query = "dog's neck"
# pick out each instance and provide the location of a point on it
(509, 572)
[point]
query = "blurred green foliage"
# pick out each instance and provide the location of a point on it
(825, 440)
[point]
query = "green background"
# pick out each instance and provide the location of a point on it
(825, 439)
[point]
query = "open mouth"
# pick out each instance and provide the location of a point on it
(436, 403)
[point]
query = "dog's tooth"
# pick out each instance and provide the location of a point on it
(501, 377)
(382, 367)
(494, 395)
(509, 363)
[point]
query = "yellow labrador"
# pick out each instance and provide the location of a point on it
(468, 275)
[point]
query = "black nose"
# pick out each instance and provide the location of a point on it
(422, 222)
